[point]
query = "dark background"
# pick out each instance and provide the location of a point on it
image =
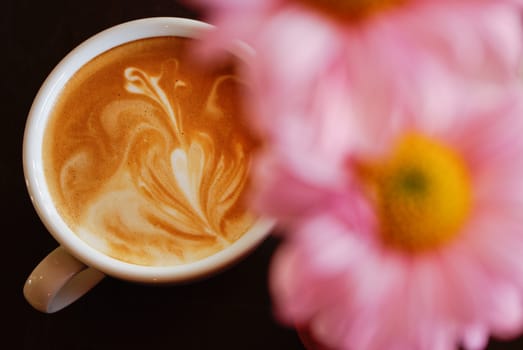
(229, 311)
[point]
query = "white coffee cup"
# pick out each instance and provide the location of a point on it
(73, 268)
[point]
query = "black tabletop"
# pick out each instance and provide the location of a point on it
(231, 310)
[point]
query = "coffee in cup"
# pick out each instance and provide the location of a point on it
(146, 154)
(137, 159)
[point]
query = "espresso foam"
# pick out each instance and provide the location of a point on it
(146, 156)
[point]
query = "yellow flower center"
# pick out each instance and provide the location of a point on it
(422, 194)
(352, 10)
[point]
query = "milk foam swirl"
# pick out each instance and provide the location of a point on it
(166, 182)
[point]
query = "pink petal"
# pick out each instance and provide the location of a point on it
(475, 338)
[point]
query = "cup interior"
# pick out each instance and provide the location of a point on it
(37, 184)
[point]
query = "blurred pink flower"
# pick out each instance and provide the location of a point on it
(320, 65)
(385, 50)
(420, 247)
(394, 159)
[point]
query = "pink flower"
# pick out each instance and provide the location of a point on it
(393, 52)
(394, 159)
(316, 72)
(420, 247)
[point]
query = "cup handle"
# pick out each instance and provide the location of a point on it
(58, 281)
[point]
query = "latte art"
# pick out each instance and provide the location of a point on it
(149, 158)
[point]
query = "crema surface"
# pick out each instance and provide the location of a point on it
(146, 155)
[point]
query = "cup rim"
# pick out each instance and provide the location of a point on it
(33, 163)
